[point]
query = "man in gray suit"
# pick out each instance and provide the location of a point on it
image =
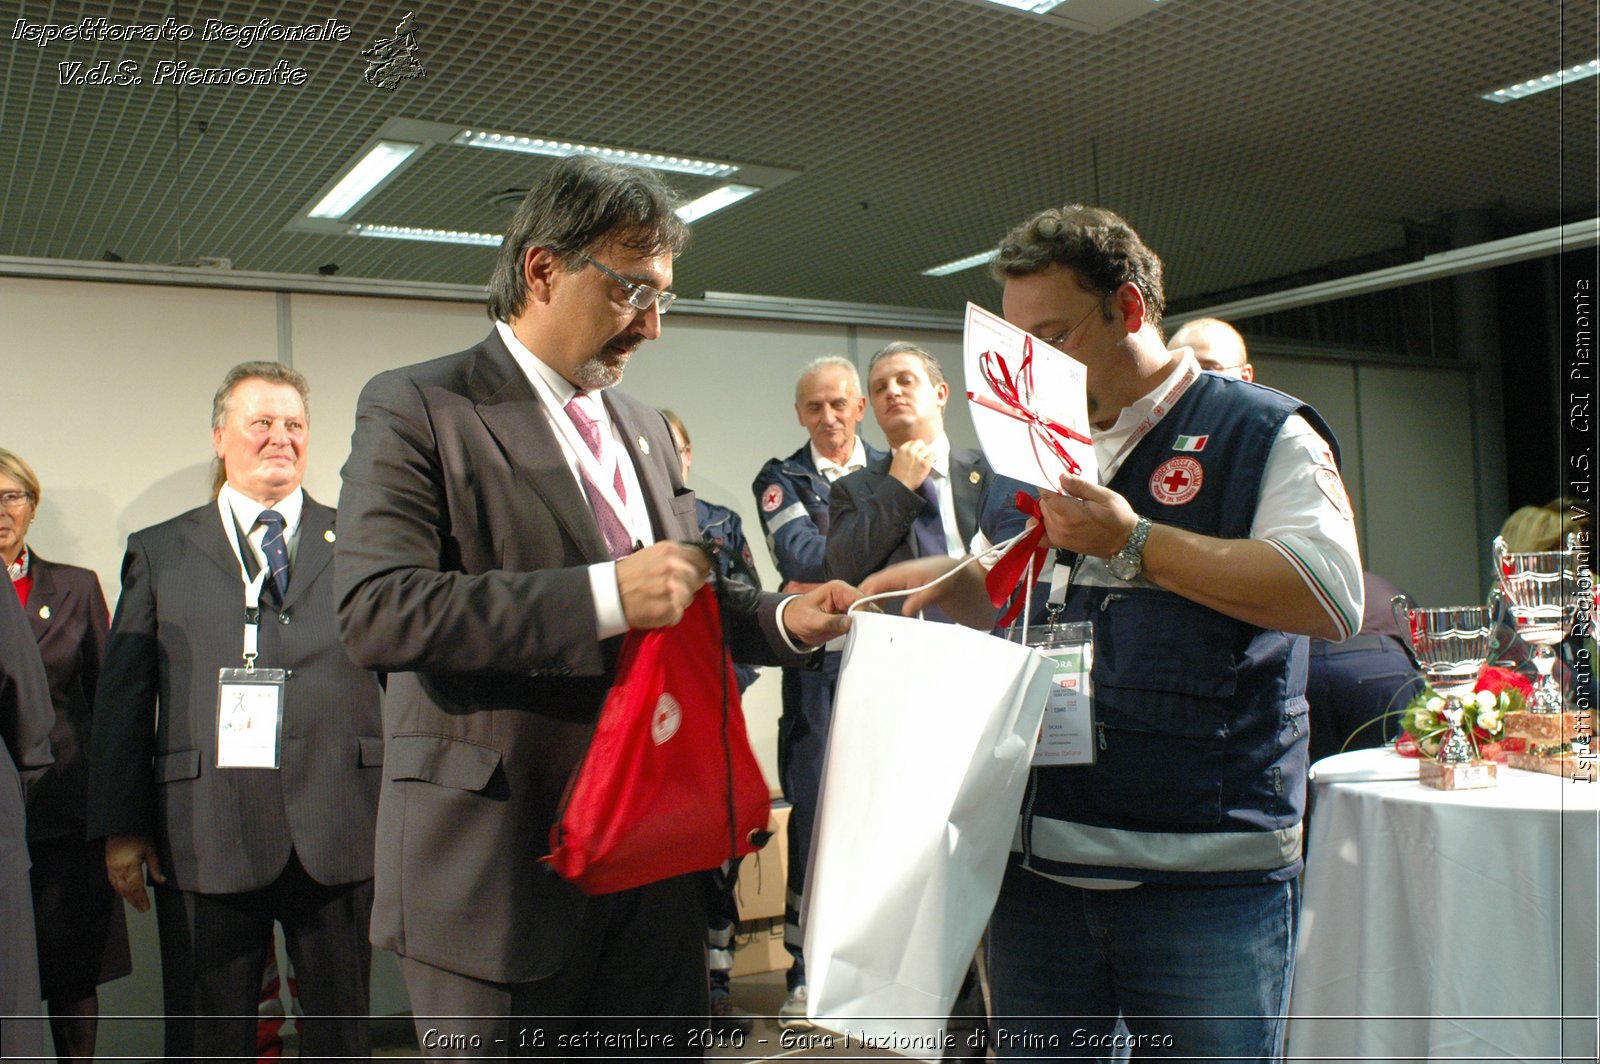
(288, 839)
(507, 518)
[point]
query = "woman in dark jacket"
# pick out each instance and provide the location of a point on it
(82, 933)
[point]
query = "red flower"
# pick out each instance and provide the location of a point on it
(1494, 679)
(1406, 746)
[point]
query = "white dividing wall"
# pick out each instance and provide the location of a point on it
(110, 389)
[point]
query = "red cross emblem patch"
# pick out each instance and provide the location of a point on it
(771, 499)
(1176, 481)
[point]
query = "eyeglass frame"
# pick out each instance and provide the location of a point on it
(659, 299)
(1061, 338)
(13, 500)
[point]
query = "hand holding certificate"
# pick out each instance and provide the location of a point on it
(1028, 403)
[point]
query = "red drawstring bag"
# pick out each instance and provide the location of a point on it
(669, 784)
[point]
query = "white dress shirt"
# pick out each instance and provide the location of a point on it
(235, 506)
(554, 392)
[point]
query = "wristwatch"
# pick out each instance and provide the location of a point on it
(1127, 562)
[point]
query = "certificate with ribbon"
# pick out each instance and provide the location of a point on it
(1028, 403)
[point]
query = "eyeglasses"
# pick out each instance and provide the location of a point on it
(640, 296)
(14, 500)
(1061, 338)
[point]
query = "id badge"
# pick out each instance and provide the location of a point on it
(249, 717)
(1067, 735)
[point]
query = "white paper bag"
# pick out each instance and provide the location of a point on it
(933, 729)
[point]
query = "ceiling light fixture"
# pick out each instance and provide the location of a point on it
(1544, 82)
(478, 138)
(961, 264)
(374, 168)
(713, 201)
(1037, 7)
(1084, 16)
(436, 236)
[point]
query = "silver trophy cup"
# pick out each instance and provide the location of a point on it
(1451, 642)
(1541, 594)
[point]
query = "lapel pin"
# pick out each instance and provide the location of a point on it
(44, 612)
(329, 536)
(644, 445)
(974, 476)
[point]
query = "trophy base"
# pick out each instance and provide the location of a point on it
(1567, 767)
(1544, 727)
(1457, 775)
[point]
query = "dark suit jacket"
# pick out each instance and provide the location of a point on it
(870, 514)
(463, 573)
(68, 614)
(179, 619)
(24, 732)
(25, 744)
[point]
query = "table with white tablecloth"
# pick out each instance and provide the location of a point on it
(1446, 924)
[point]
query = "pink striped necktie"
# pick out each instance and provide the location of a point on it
(612, 526)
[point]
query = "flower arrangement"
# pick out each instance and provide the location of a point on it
(1497, 692)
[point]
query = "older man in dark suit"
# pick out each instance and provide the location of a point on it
(242, 818)
(506, 518)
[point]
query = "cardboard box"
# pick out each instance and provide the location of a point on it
(763, 875)
(758, 947)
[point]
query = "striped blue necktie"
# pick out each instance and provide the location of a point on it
(276, 550)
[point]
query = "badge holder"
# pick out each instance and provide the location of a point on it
(1066, 737)
(250, 700)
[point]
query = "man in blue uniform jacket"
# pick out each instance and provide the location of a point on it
(793, 495)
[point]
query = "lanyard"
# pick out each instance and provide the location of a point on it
(1163, 407)
(252, 616)
(252, 586)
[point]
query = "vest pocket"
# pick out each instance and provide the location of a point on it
(1163, 678)
(1153, 776)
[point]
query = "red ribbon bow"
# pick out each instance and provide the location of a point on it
(1014, 399)
(1013, 568)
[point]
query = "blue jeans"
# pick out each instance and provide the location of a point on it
(1151, 971)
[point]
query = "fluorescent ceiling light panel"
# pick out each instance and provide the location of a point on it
(1037, 7)
(478, 138)
(961, 264)
(385, 157)
(1543, 82)
(435, 236)
(713, 201)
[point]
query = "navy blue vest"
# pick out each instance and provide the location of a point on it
(1200, 718)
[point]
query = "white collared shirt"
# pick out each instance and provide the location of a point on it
(833, 470)
(554, 392)
(235, 506)
(947, 500)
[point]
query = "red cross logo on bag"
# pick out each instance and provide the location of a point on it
(668, 715)
(1176, 481)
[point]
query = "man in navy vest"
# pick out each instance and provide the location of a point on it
(1151, 903)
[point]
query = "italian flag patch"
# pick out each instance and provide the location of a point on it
(1190, 443)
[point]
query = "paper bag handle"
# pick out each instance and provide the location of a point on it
(999, 548)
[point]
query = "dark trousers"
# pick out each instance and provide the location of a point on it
(802, 746)
(213, 947)
(634, 986)
(1353, 688)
